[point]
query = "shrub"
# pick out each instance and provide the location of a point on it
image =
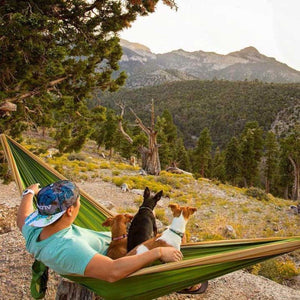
(104, 165)
(161, 215)
(276, 270)
(207, 236)
(106, 178)
(91, 166)
(116, 172)
(84, 177)
(257, 193)
(76, 156)
(138, 200)
(123, 166)
(128, 210)
(118, 181)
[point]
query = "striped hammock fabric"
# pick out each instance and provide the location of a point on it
(202, 261)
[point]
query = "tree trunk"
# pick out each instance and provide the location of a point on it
(296, 190)
(245, 183)
(111, 152)
(296, 185)
(150, 156)
(267, 186)
(286, 192)
(68, 290)
(202, 171)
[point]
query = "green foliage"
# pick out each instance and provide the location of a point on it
(167, 138)
(232, 160)
(76, 156)
(138, 182)
(202, 153)
(257, 193)
(271, 164)
(182, 158)
(165, 151)
(160, 214)
(290, 147)
(251, 146)
(53, 54)
(105, 132)
(276, 269)
(222, 106)
(218, 166)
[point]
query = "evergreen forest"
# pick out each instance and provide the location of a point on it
(243, 133)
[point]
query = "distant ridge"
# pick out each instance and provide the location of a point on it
(145, 68)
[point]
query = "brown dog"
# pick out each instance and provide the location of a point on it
(171, 236)
(118, 245)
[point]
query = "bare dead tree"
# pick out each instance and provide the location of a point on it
(149, 155)
(296, 172)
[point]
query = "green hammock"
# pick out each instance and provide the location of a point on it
(202, 261)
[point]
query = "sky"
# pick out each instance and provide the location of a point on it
(223, 26)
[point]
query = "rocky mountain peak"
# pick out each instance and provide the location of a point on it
(134, 46)
(146, 68)
(248, 53)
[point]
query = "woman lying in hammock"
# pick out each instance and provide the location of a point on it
(68, 249)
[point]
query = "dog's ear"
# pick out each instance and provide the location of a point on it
(107, 222)
(173, 206)
(158, 196)
(192, 210)
(146, 193)
(128, 217)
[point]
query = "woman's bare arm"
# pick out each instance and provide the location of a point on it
(104, 268)
(26, 206)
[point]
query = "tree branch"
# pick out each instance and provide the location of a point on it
(140, 123)
(127, 137)
(35, 92)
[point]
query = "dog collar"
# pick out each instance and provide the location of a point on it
(181, 234)
(145, 207)
(123, 236)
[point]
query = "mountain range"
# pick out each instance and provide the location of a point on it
(145, 68)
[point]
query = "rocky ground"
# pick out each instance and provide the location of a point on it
(15, 262)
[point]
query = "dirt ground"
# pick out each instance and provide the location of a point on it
(15, 262)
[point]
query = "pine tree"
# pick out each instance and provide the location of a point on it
(202, 153)
(54, 53)
(285, 180)
(218, 165)
(165, 148)
(110, 130)
(181, 156)
(232, 161)
(271, 160)
(251, 145)
(97, 121)
(291, 150)
(125, 148)
(169, 128)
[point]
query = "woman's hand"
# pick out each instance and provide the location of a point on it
(170, 254)
(35, 187)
